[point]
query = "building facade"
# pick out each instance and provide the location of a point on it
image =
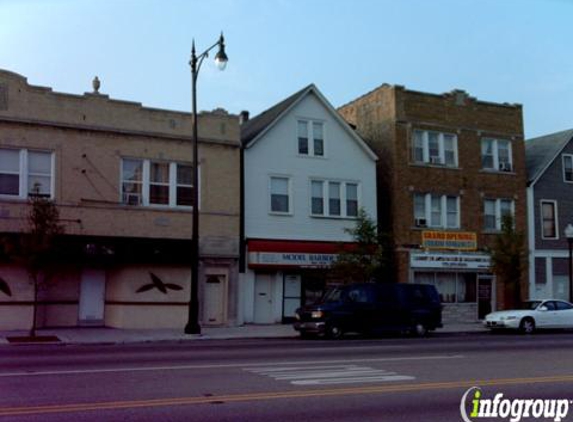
(550, 210)
(121, 177)
(450, 166)
(306, 175)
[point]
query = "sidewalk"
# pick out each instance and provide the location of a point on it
(83, 335)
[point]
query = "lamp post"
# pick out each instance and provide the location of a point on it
(569, 236)
(193, 326)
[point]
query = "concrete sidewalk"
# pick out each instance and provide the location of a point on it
(84, 335)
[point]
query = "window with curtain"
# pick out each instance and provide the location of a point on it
(549, 220)
(280, 195)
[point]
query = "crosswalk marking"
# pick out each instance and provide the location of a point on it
(329, 375)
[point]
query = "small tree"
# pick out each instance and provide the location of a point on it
(367, 258)
(38, 250)
(509, 258)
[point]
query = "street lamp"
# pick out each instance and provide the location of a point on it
(569, 236)
(221, 59)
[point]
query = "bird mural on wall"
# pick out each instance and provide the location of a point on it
(157, 283)
(4, 287)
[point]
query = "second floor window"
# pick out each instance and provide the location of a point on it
(280, 195)
(496, 154)
(341, 198)
(147, 182)
(549, 220)
(310, 136)
(494, 210)
(441, 211)
(26, 172)
(435, 148)
(568, 167)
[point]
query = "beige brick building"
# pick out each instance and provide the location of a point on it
(121, 177)
(450, 166)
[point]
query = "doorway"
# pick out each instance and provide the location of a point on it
(215, 303)
(92, 298)
(485, 295)
(263, 299)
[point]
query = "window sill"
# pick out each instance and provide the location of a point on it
(434, 166)
(333, 217)
(281, 214)
(318, 157)
(494, 171)
(448, 229)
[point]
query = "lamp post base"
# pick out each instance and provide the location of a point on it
(192, 328)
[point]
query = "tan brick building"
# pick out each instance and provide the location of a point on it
(121, 177)
(450, 166)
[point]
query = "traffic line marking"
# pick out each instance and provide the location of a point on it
(31, 373)
(305, 393)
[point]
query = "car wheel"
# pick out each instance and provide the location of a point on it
(527, 326)
(333, 331)
(419, 329)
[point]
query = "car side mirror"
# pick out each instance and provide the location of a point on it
(543, 308)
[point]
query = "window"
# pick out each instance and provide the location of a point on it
(494, 210)
(310, 138)
(26, 172)
(436, 211)
(334, 198)
(435, 148)
(568, 167)
(156, 183)
(496, 154)
(549, 220)
(280, 195)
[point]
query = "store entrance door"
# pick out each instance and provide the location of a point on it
(485, 295)
(263, 299)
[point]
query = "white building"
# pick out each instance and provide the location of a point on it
(306, 174)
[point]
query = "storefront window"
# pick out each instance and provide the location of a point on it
(446, 285)
(466, 288)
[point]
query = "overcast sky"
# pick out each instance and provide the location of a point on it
(515, 51)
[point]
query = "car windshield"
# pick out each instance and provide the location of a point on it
(529, 304)
(332, 295)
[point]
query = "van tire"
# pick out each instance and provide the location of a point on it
(419, 329)
(333, 331)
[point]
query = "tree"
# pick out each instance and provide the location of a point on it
(509, 258)
(37, 249)
(368, 258)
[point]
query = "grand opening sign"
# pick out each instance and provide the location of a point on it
(461, 241)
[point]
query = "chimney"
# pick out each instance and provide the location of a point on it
(243, 117)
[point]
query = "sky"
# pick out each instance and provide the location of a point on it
(507, 51)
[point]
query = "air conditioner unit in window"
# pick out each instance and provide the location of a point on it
(132, 198)
(421, 222)
(435, 160)
(504, 167)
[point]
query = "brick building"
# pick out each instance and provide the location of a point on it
(449, 167)
(121, 177)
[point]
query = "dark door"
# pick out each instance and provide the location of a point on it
(485, 288)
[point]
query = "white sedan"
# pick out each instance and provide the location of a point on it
(534, 314)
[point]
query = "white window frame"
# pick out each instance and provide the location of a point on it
(555, 218)
(440, 159)
(563, 158)
(289, 194)
(495, 149)
(24, 174)
(146, 183)
(310, 137)
(498, 202)
(443, 210)
(342, 189)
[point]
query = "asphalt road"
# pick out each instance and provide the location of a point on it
(387, 379)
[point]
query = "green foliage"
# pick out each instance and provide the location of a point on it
(368, 258)
(509, 258)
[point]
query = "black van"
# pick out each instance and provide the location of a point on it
(371, 308)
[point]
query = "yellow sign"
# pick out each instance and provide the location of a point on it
(461, 241)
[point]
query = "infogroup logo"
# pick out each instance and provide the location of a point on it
(513, 410)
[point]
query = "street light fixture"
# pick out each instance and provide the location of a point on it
(569, 236)
(221, 59)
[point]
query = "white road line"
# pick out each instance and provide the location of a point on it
(387, 378)
(31, 373)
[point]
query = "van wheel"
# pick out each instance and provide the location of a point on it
(419, 329)
(333, 331)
